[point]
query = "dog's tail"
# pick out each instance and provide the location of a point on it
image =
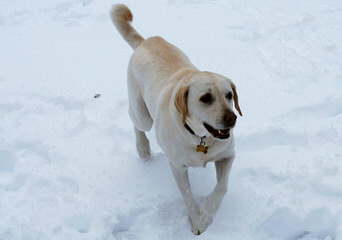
(121, 17)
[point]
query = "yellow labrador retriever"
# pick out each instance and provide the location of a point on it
(192, 112)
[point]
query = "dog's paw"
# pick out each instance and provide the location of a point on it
(200, 223)
(144, 152)
(144, 149)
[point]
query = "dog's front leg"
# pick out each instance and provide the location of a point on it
(181, 176)
(215, 198)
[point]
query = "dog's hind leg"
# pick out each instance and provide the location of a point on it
(141, 119)
(139, 114)
(142, 122)
(142, 144)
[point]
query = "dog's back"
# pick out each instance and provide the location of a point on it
(154, 60)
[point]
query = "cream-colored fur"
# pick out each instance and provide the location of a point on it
(166, 90)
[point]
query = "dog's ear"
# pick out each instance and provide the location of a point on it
(236, 98)
(181, 101)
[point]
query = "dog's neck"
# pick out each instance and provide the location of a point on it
(187, 127)
(195, 128)
(201, 147)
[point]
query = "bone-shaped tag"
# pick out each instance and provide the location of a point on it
(202, 148)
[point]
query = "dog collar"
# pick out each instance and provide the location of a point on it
(201, 147)
(189, 129)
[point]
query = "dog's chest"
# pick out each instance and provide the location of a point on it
(200, 159)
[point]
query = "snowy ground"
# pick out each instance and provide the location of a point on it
(68, 167)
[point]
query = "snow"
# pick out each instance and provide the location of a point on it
(68, 166)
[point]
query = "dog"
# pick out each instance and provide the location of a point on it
(191, 110)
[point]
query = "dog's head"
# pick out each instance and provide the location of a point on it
(207, 99)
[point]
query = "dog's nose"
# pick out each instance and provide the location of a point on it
(229, 119)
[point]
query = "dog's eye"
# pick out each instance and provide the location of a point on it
(229, 95)
(207, 98)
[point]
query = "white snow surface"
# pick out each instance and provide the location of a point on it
(68, 165)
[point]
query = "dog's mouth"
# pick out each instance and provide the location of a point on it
(218, 133)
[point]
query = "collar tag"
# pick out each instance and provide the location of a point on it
(202, 147)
